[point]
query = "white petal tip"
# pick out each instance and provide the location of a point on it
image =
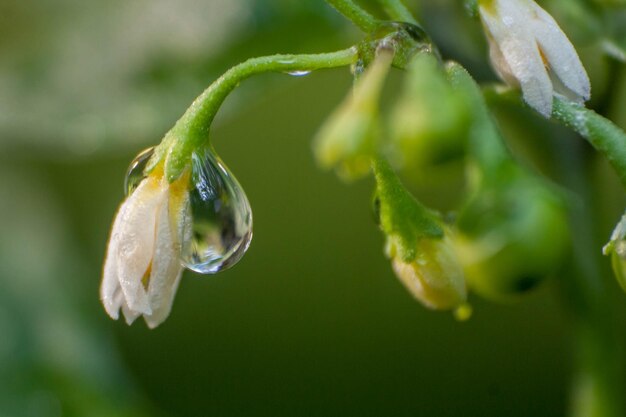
(114, 314)
(153, 323)
(112, 306)
(139, 307)
(130, 318)
(540, 103)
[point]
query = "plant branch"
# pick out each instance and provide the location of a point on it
(365, 21)
(600, 132)
(603, 134)
(192, 129)
(397, 10)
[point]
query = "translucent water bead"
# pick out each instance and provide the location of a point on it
(135, 173)
(222, 217)
(219, 217)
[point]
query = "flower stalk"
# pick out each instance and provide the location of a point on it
(365, 21)
(192, 129)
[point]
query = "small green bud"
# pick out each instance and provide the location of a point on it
(347, 139)
(512, 235)
(418, 244)
(428, 124)
(616, 248)
(434, 277)
(401, 215)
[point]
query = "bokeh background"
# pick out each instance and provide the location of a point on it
(312, 321)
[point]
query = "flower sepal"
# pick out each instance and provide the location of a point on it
(418, 244)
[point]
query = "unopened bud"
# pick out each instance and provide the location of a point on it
(511, 238)
(347, 139)
(616, 248)
(429, 121)
(434, 277)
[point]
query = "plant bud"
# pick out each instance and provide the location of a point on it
(616, 248)
(418, 244)
(428, 123)
(346, 141)
(511, 237)
(434, 277)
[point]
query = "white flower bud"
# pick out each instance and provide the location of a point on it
(142, 268)
(528, 49)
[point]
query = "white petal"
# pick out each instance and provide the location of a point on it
(129, 315)
(510, 31)
(110, 290)
(166, 267)
(136, 241)
(162, 303)
(560, 53)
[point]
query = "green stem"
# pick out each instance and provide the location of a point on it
(599, 131)
(192, 129)
(365, 21)
(401, 215)
(398, 11)
(605, 136)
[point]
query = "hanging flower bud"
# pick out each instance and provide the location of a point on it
(512, 235)
(616, 248)
(434, 277)
(346, 141)
(201, 221)
(528, 49)
(427, 124)
(142, 267)
(418, 244)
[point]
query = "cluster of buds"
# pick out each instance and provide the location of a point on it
(510, 233)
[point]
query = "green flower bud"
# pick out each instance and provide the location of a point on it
(429, 122)
(418, 244)
(346, 141)
(513, 234)
(434, 277)
(616, 248)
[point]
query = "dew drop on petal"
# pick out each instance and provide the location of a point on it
(221, 217)
(135, 173)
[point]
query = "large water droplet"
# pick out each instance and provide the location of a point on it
(135, 173)
(221, 217)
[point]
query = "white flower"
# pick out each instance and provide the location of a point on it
(528, 49)
(142, 268)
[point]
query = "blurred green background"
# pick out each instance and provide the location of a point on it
(312, 321)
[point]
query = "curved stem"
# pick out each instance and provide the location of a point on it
(397, 10)
(365, 21)
(192, 129)
(603, 134)
(600, 132)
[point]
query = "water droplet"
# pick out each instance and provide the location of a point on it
(221, 217)
(300, 73)
(135, 173)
